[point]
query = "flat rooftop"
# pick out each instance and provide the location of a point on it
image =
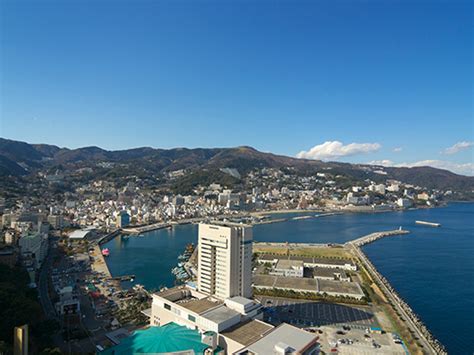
(288, 264)
(340, 287)
(297, 283)
(247, 333)
(199, 306)
(305, 259)
(324, 272)
(220, 314)
(287, 334)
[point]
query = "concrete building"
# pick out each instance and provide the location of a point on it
(310, 262)
(34, 246)
(404, 202)
(232, 325)
(225, 260)
(423, 196)
(123, 219)
(283, 340)
(56, 221)
(291, 268)
(68, 301)
(81, 234)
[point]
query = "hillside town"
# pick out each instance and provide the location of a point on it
(55, 238)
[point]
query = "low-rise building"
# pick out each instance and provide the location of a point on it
(288, 267)
(232, 325)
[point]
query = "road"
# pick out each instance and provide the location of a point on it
(427, 346)
(43, 286)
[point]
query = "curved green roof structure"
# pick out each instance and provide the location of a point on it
(157, 340)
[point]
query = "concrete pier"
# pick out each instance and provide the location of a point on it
(375, 236)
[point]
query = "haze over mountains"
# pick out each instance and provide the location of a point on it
(20, 158)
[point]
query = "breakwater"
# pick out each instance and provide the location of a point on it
(375, 236)
(407, 315)
(108, 237)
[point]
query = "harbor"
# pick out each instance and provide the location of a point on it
(406, 259)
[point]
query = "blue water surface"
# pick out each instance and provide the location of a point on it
(431, 268)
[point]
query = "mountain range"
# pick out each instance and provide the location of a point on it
(21, 158)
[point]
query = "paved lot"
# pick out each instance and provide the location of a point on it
(357, 341)
(312, 313)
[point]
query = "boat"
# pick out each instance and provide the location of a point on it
(431, 224)
(105, 252)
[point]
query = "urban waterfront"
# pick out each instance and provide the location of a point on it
(431, 268)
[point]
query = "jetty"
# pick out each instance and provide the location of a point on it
(147, 228)
(376, 236)
(123, 278)
(430, 224)
(108, 237)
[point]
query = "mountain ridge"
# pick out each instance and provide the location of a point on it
(21, 158)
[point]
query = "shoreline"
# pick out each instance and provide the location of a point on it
(416, 323)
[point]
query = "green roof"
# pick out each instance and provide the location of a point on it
(157, 340)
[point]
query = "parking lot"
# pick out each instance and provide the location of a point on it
(313, 313)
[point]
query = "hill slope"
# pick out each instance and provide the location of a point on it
(15, 155)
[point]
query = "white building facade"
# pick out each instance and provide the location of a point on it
(225, 260)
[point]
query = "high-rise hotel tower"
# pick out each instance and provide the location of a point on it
(225, 260)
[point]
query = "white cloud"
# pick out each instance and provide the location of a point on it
(397, 149)
(458, 147)
(458, 168)
(335, 149)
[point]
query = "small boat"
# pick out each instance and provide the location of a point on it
(105, 252)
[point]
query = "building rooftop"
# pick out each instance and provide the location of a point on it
(79, 234)
(324, 272)
(283, 335)
(288, 264)
(296, 283)
(220, 314)
(341, 287)
(248, 332)
(242, 300)
(305, 259)
(200, 306)
(170, 338)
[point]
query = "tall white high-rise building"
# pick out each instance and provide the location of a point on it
(225, 260)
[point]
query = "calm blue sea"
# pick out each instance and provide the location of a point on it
(431, 268)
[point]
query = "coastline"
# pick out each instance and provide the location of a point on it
(423, 329)
(389, 292)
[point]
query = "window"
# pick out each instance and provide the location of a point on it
(191, 318)
(168, 307)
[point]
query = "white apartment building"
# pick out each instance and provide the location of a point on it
(225, 260)
(34, 245)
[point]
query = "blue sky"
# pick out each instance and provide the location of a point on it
(281, 76)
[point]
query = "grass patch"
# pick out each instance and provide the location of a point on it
(321, 252)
